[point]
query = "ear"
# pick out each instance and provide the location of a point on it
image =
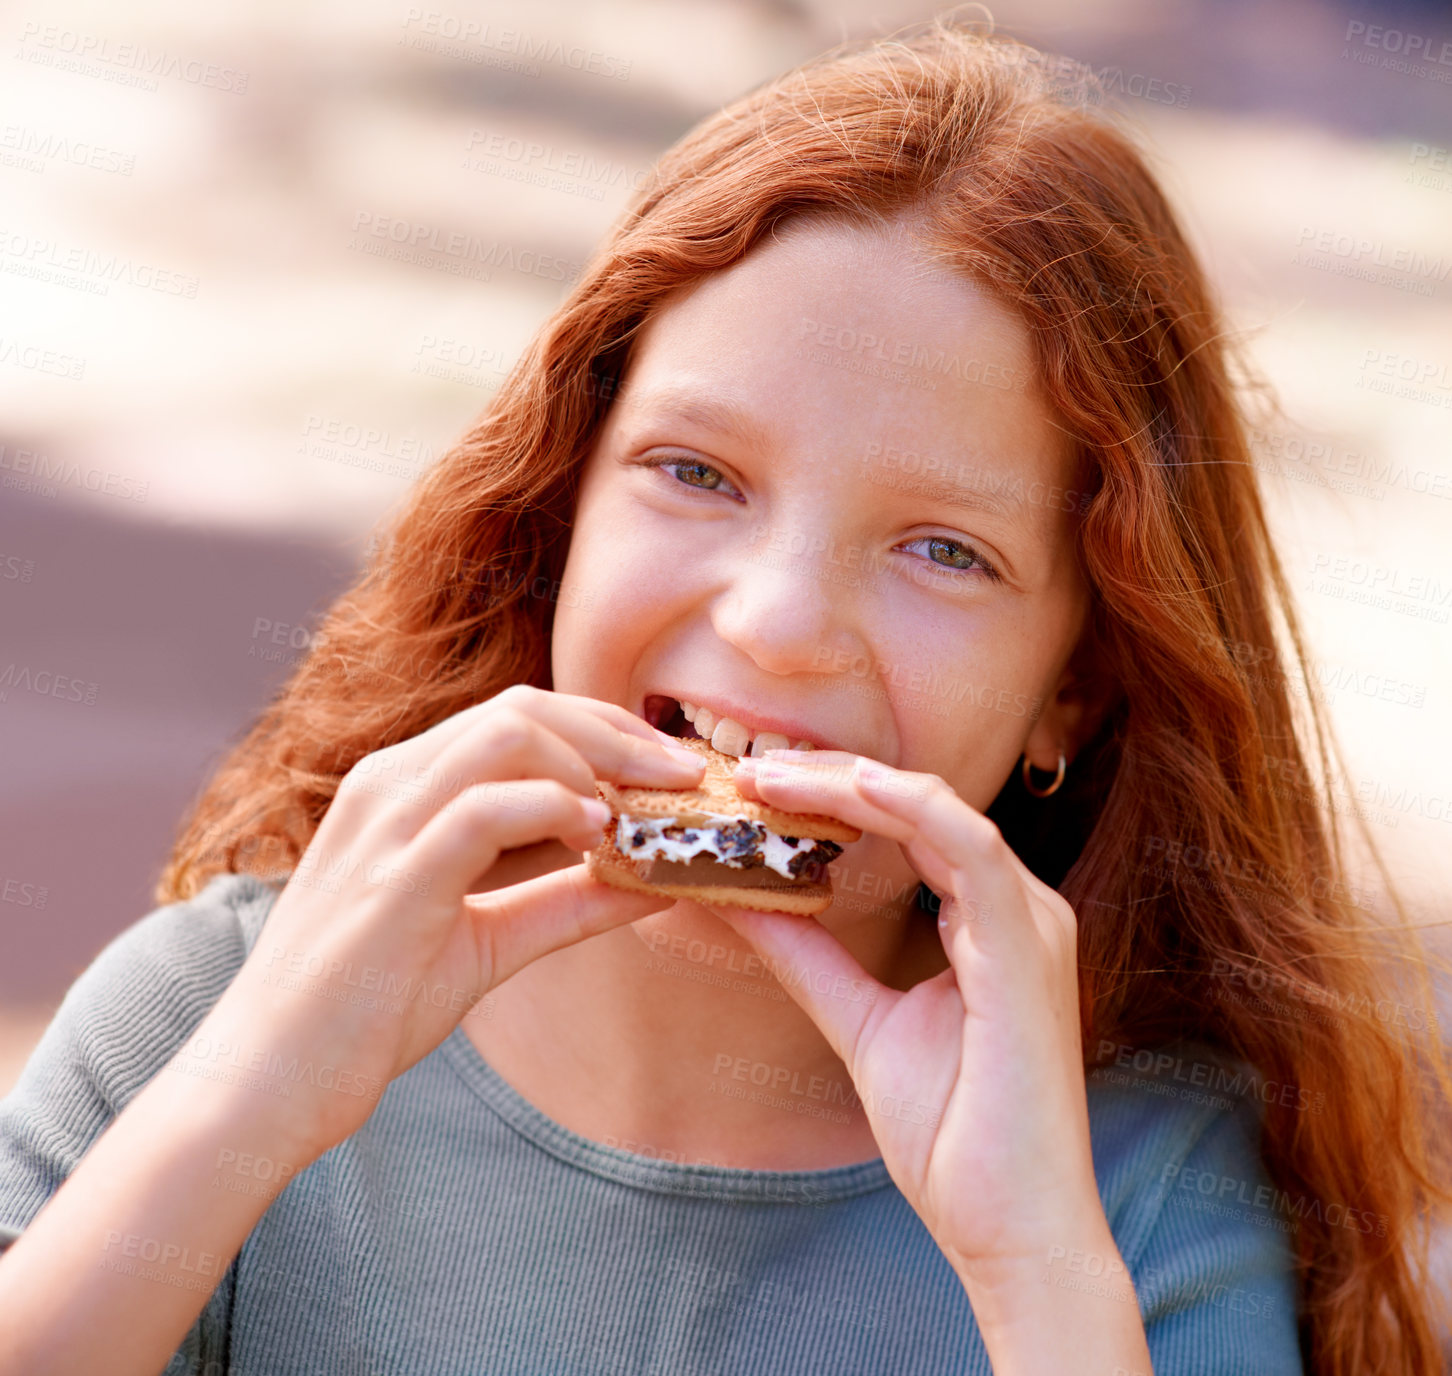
(1084, 695)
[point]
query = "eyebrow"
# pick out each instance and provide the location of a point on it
(707, 413)
(727, 417)
(958, 496)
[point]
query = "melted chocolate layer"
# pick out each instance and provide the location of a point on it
(705, 870)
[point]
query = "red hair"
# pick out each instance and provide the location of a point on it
(1203, 772)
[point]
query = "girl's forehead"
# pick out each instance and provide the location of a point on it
(837, 335)
(869, 301)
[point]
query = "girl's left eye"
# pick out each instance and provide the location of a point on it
(699, 475)
(961, 556)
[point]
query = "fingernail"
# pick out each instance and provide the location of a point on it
(597, 812)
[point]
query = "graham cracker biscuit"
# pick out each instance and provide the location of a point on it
(716, 793)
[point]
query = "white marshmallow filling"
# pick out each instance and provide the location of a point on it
(737, 842)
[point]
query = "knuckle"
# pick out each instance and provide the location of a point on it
(934, 783)
(516, 695)
(1063, 910)
(982, 834)
(510, 731)
(369, 763)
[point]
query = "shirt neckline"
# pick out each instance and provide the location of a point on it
(698, 1180)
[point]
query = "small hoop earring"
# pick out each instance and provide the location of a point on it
(1028, 782)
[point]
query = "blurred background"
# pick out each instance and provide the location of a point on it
(218, 368)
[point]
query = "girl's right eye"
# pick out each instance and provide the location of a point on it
(696, 474)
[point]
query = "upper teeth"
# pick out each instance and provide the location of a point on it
(731, 738)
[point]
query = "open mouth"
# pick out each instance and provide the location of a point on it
(666, 714)
(687, 721)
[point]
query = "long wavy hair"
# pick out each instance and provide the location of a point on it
(1196, 838)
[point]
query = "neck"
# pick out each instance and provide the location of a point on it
(670, 1037)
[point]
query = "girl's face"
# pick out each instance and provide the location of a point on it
(831, 503)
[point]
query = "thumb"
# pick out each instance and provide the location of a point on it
(816, 970)
(521, 923)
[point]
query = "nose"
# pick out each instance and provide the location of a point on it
(794, 603)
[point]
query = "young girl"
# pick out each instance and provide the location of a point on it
(892, 423)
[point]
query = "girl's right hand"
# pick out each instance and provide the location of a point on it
(380, 942)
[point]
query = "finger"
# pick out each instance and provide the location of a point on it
(543, 740)
(606, 750)
(520, 924)
(818, 781)
(528, 697)
(604, 727)
(464, 838)
(953, 846)
(817, 971)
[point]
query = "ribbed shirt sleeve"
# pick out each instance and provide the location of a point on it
(1216, 1274)
(120, 1022)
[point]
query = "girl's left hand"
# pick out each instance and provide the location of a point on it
(973, 1081)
